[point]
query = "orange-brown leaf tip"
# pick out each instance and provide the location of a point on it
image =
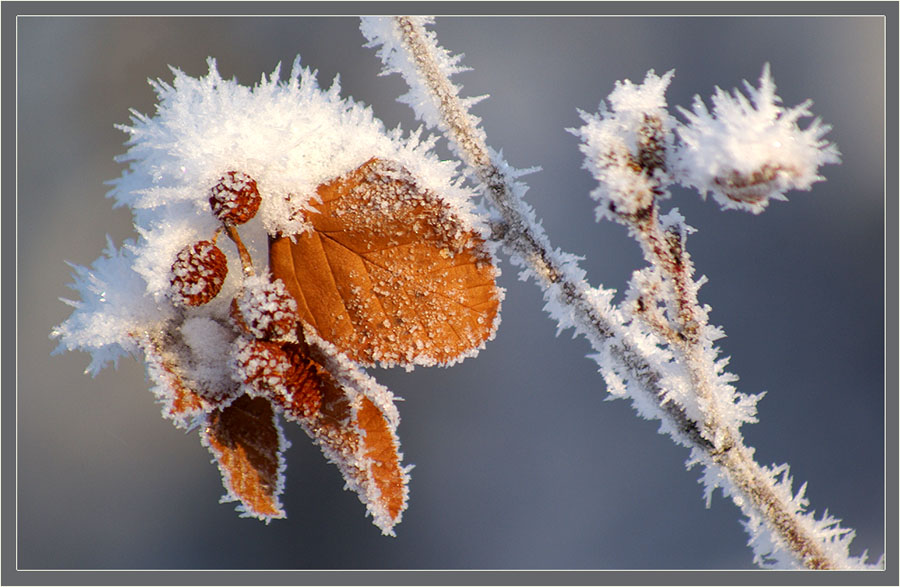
(387, 480)
(247, 442)
(355, 427)
(388, 273)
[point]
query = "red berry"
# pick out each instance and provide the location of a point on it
(265, 309)
(277, 371)
(235, 198)
(260, 364)
(198, 273)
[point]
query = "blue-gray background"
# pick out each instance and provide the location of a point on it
(520, 463)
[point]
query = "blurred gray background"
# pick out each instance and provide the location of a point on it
(520, 463)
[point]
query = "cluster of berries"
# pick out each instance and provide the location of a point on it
(263, 311)
(199, 270)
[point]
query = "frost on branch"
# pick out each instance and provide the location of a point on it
(749, 151)
(237, 335)
(657, 349)
(385, 34)
(626, 147)
(745, 154)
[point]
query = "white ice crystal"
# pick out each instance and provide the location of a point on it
(209, 342)
(112, 307)
(747, 152)
(625, 146)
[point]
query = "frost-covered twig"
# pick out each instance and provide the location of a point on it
(658, 348)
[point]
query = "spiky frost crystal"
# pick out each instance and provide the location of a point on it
(626, 146)
(747, 152)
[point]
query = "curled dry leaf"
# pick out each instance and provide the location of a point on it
(247, 443)
(355, 426)
(387, 273)
(168, 360)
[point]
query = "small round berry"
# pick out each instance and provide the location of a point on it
(265, 309)
(261, 365)
(279, 371)
(235, 198)
(198, 273)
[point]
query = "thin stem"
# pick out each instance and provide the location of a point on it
(665, 251)
(527, 241)
(246, 261)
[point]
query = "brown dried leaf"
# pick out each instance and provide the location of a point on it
(181, 403)
(247, 443)
(387, 272)
(353, 432)
(379, 444)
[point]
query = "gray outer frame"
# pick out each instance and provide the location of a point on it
(397, 578)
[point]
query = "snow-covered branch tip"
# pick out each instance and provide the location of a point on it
(657, 347)
(239, 334)
(747, 152)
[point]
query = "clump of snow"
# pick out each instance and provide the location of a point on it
(208, 341)
(113, 305)
(747, 152)
(625, 146)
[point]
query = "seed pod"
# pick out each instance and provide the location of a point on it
(198, 273)
(280, 371)
(235, 198)
(260, 364)
(265, 309)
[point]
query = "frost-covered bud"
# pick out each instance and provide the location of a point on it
(198, 273)
(753, 190)
(265, 309)
(279, 371)
(235, 198)
(261, 365)
(627, 145)
(748, 152)
(652, 144)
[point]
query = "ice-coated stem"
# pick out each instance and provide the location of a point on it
(752, 486)
(243, 253)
